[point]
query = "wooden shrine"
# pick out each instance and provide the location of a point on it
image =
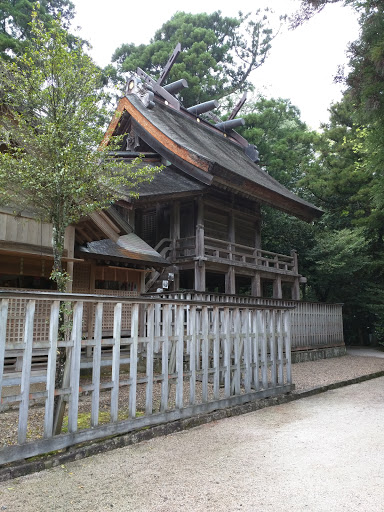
(202, 212)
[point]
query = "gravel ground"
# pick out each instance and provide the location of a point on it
(306, 376)
(319, 454)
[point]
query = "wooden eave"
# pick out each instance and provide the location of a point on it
(265, 195)
(224, 163)
(179, 156)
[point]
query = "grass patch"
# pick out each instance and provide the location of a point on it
(84, 419)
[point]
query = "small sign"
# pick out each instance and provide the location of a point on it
(165, 285)
(171, 277)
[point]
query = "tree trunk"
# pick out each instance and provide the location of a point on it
(61, 279)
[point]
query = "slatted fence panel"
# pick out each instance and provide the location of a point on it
(194, 357)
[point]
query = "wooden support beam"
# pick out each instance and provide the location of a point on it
(200, 276)
(277, 288)
(256, 285)
(104, 226)
(295, 290)
(230, 282)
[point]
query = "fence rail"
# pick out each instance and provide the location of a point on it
(313, 324)
(182, 358)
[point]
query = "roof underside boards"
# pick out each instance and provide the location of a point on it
(129, 248)
(170, 181)
(209, 150)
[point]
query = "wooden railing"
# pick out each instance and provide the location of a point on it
(182, 358)
(225, 251)
(313, 324)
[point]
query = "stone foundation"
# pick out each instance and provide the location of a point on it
(301, 356)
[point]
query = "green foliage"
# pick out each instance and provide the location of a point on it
(15, 17)
(283, 140)
(51, 127)
(337, 180)
(218, 53)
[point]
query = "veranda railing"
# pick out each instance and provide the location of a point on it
(182, 358)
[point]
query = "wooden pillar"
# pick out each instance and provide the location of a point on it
(142, 282)
(258, 234)
(200, 247)
(295, 261)
(230, 281)
(230, 277)
(256, 285)
(277, 288)
(175, 227)
(200, 276)
(295, 290)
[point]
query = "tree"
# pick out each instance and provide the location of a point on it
(15, 17)
(52, 108)
(51, 125)
(219, 53)
(285, 143)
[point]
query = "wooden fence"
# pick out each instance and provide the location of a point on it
(313, 324)
(182, 358)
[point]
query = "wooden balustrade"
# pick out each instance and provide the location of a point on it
(222, 250)
(183, 358)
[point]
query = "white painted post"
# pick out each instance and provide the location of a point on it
(247, 350)
(205, 350)
(227, 354)
(26, 371)
(73, 407)
(287, 340)
(164, 356)
(237, 331)
(280, 341)
(96, 364)
(216, 353)
(256, 348)
(272, 345)
(116, 361)
(133, 360)
(150, 348)
(3, 333)
(263, 337)
(192, 355)
(179, 319)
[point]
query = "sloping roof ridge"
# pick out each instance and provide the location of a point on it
(203, 123)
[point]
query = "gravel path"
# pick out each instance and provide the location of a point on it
(318, 454)
(306, 376)
(314, 374)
